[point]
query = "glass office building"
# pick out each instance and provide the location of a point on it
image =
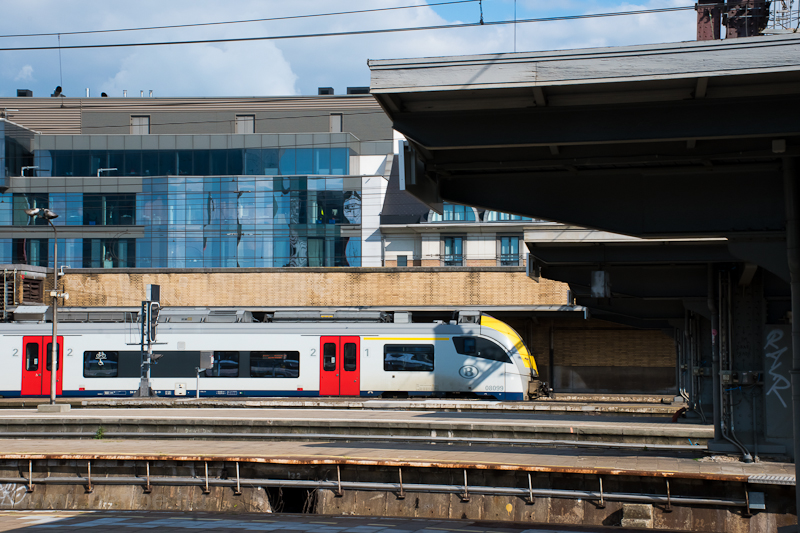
(185, 201)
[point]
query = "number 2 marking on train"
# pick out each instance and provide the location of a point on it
(313, 352)
(16, 352)
(69, 352)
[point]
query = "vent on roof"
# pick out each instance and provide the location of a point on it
(192, 317)
(24, 93)
(358, 90)
(330, 316)
(97, 316)
(227, 316)
(325, 90)
(32, 313)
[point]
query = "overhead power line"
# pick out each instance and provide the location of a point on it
(355, 32)
(247, 21)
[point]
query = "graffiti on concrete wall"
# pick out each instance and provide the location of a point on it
(777, 372)
(11, 494)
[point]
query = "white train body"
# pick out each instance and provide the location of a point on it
(486, 359)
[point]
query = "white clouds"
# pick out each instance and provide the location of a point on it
(25, 74)
(204, 70)
(288, 66)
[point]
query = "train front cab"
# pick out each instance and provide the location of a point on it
(523, 360)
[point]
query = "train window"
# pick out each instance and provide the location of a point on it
(32, 356)
(350, 357)
(275, 364)
(408, 358)
(100, 364)
(479, 347)
(48, 356)
(226, 365)
(329, 356)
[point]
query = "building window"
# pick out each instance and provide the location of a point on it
(496, 216)
(453, 213)
(109, 209)
(140, 125)
(33, 252)
(109, 253)
(402, 260)
(25, 200)
(408, 358)
(452, 251)
(245, 123)
(336, 123)
(508, 251)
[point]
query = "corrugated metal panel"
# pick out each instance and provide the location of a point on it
(766, 479)
(56, 116)
(62, 116)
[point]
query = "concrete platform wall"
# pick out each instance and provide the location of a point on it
(493, 510)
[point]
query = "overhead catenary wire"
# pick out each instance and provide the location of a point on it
(246, 21)
(356, 32)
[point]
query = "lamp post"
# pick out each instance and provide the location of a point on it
(38, 212)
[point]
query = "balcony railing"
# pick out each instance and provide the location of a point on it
(453, 260)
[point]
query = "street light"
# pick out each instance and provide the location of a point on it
(39, 212)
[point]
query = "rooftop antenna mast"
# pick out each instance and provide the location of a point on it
(60, 71)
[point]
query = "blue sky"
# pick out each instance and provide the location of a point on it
(288, 67)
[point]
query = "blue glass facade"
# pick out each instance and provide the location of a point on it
(242, 207)
(247, 161)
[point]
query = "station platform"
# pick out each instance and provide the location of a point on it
(529, 441)
(528, 428)
(562, 403)
(599, 461)
(521, 466)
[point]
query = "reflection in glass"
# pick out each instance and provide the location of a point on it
(194, 221)
(408, 358)
(102, 364)
(275, 364)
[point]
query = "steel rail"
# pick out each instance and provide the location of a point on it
(355, 437)
(381, 487)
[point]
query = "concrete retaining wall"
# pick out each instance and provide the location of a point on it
(108, 497)
(488, 508)
(543, 511)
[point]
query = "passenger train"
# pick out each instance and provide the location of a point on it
(284, 354)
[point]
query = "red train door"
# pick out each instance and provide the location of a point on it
(36, 367)
(340, 366)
